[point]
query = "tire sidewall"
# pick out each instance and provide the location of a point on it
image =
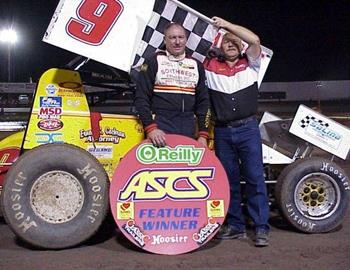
(287, 185)
(19, 181)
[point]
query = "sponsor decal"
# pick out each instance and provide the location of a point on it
(101, 151)
(135, 232)
(169, 192)
(321, 130)
(50, 113)
(70, 85)
(4, 158)
(51, 102)
(73, 102)
(44, 138)
(51, 89)
(71, 92)
(50, 124)
(7, 157)
(215, 208)
(107, 135)
(125, 210)
(206, 231)
(183, 65)
(173, 73)
(147, 154)
(160, 239)
(166, 63)
(144, 180)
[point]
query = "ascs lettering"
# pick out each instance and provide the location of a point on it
(176, 184)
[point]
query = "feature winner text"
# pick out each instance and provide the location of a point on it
(169, 219)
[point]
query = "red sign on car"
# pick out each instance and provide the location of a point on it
(169, 200)
(50, 124)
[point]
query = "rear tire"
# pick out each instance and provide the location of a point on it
(313, 195)
(55, 196)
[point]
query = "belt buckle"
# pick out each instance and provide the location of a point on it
(234, 124)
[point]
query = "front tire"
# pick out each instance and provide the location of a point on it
(55, 196)
(313, 195)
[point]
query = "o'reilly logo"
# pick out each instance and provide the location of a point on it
(148, 154)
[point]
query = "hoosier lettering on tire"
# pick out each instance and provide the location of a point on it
(313, 194)
(55, 196)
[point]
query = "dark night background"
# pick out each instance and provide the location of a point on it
(310, 39)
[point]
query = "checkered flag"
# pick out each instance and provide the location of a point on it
(306, 121)
(200, 32)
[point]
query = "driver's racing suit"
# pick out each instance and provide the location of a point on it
(175, 92)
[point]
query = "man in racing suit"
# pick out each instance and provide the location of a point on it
(171, 86)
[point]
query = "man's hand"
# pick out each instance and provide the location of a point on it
(202, 141)
(157, 137)
(219, 22)
(254, 49)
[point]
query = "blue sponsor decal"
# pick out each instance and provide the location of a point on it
(44, 138)
(51, 89)
(51, 102)
(325, 131)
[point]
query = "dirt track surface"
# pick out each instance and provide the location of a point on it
(288, 250)
(110, 250)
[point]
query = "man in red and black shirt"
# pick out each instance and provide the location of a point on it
(171, 86)
(233, 88)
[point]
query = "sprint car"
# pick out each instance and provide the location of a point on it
(56, 169)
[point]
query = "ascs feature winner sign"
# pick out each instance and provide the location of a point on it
(169, 200)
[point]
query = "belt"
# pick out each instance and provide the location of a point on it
(235, 123)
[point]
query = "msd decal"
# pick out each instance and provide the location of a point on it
(176, 195)
(50, 113)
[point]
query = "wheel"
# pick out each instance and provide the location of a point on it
(55, 196)
(313, 195)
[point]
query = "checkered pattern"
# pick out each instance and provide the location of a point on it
(306, 121)
(200, 33)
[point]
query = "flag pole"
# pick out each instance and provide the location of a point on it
(191, 10)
